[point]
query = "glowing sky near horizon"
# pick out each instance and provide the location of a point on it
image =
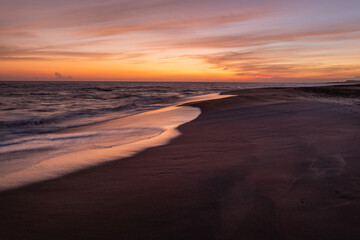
(189, 40)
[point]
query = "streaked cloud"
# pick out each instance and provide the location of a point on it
(171, 25)
(48, 53)
(232, 39)
(268, 37)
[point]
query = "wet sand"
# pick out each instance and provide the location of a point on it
(265, 164)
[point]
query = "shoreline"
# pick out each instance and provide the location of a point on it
(157, 128)
(267, 163)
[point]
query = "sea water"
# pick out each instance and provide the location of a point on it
(48, 129)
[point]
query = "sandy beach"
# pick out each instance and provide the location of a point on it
(280, 163)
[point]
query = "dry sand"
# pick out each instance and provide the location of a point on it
(266, 164)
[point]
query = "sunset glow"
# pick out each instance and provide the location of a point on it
(168, 40)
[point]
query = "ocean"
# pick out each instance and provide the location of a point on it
(48, 129)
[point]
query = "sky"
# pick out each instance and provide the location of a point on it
(188, 40)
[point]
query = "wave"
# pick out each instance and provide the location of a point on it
(59, 121)
(33, 122)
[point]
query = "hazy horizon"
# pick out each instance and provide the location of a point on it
(184, 81)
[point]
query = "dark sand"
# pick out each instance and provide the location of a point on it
(266, 164)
